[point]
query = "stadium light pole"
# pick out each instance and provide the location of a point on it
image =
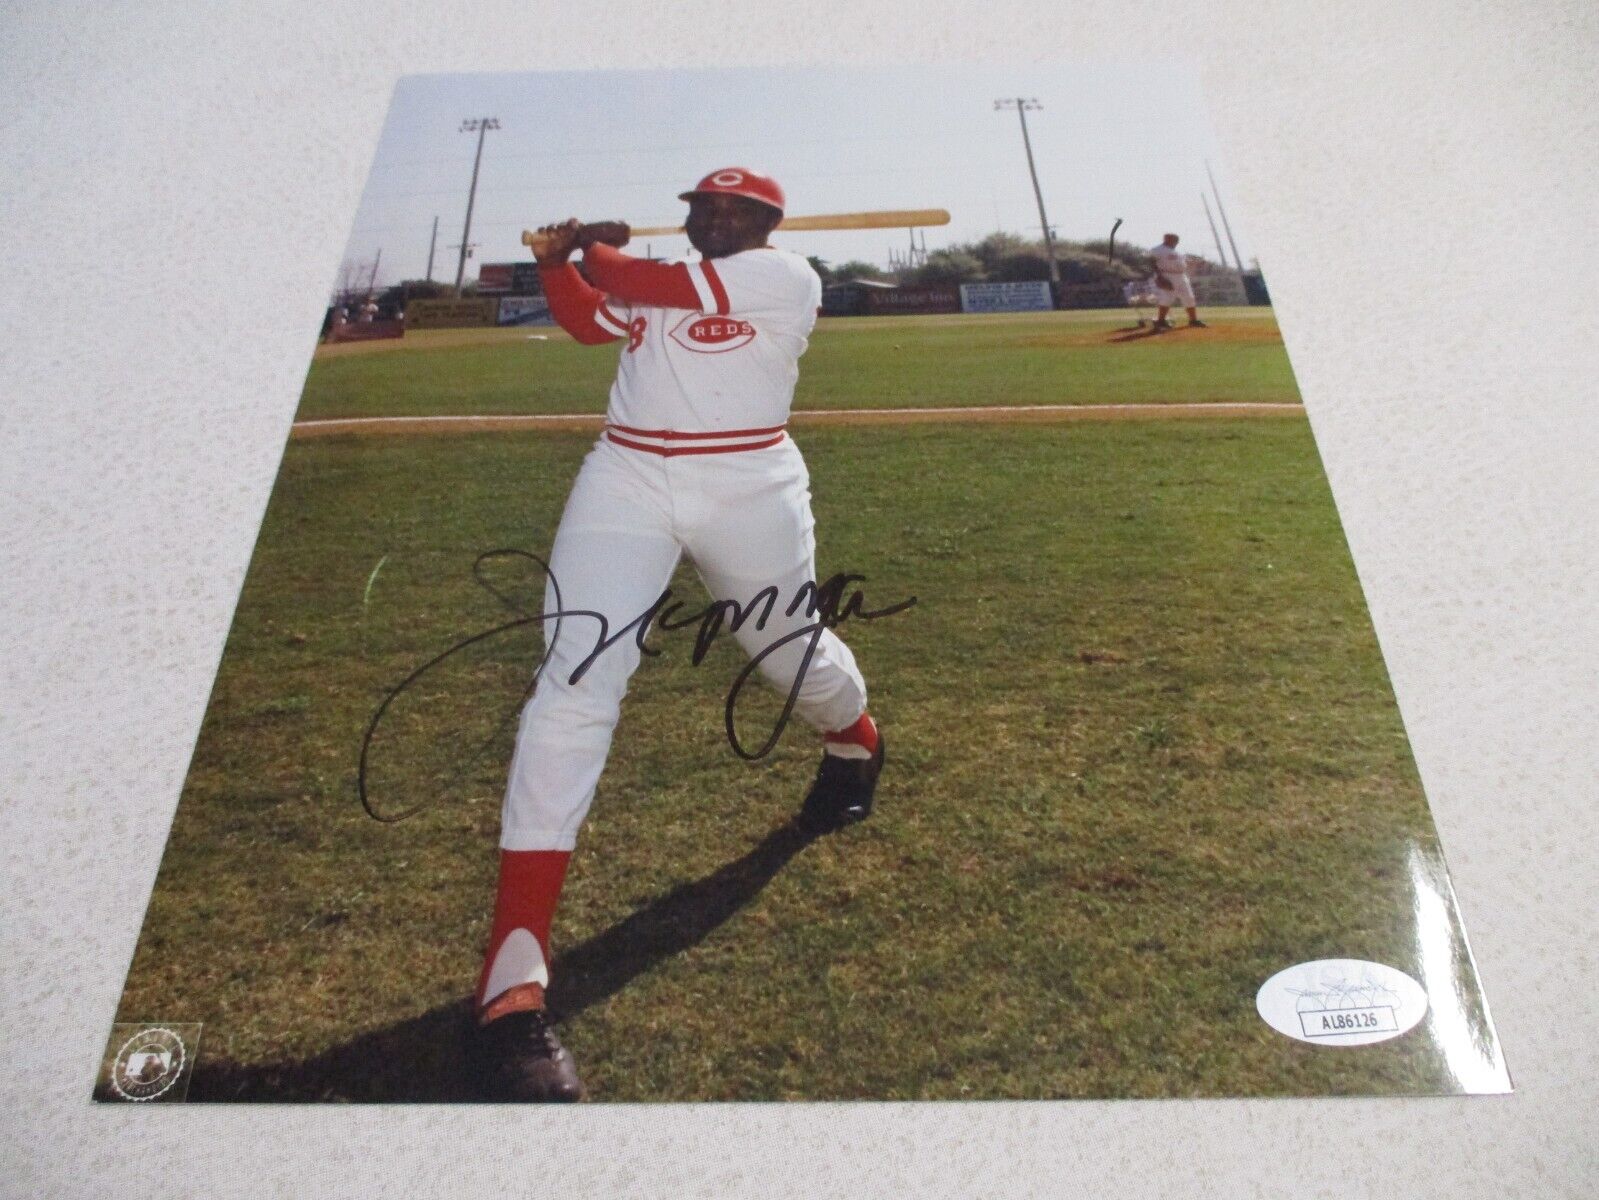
(1022, 106)
(479, 126)
(1225, 224)
(1221, 255)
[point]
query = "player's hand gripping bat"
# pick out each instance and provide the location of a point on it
(607, 231)
(556, 243)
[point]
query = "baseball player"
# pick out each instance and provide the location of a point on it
(694, 458)
(1171, 284)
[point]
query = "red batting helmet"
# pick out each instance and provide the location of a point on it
(739, 181)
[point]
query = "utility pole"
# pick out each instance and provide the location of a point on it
(1225, 224)
(479, 126)
(373, 282)
(1221, 255)
(432, 245)
(1022, 106)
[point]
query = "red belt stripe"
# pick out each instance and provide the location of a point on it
(673, 451)
(678, 435)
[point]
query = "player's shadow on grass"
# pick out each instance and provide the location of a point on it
(1137, 334)
(422, 1059)
(602, 966)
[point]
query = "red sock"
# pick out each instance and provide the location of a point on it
(863, 734)
(530, 885)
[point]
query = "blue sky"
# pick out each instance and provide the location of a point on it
(1111, 140)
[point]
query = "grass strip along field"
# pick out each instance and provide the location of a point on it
(868, 362)
(1142, 755)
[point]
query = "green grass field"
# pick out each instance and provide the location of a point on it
(1142, 755)
(864, 362)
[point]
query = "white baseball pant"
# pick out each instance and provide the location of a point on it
(1181, 292)
(744, 518)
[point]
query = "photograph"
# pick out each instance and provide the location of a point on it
(800, 584)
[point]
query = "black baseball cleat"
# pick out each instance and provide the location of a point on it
(1196, 323)
(1160, 326)
(518, 1059)
(842, 793)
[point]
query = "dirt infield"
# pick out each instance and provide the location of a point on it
(1237, 333)
(1039, 413)
(439, 339)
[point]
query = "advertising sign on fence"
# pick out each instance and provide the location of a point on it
(450, 314)
(525, 310)
(926, 298)
(1025, 296)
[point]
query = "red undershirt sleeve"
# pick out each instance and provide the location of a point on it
(578, 308)
(640, 280)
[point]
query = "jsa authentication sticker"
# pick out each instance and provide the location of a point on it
(1341, 1002)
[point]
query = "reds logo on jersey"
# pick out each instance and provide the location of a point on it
(712, 335)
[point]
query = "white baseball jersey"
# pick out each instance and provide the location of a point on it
(733, 365)
(1169, 260)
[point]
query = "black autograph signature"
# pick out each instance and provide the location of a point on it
(826, 602)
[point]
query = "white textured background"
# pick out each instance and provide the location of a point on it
(1419, 179)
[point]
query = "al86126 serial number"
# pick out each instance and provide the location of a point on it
(1331, 1022)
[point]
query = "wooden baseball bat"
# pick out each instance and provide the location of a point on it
(899, 218)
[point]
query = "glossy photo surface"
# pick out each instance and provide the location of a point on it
(1146, 822)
